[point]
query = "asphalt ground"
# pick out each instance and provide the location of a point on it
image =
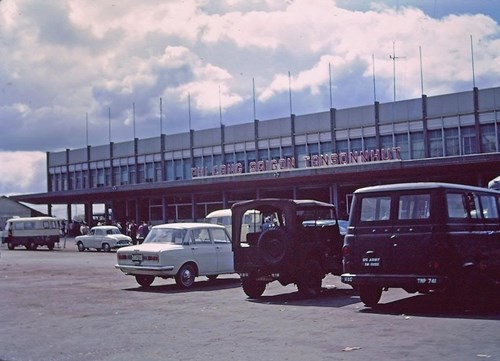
(74, 306)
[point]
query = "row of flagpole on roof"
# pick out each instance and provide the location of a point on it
(392, 56)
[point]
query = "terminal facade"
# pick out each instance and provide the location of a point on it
(323, 156)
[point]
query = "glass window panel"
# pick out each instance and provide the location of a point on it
(451, 141)
(468, 140)
(417, 145)
(436, 143)
(375, 208)
(414, 206)
(401, 141)
(488, 138)
(456, 205)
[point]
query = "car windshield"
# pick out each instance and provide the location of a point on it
(166, 235)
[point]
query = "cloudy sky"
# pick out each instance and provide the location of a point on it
(66, 64)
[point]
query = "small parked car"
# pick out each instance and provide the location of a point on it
(296, 241)
(182, 251)
(103, 238)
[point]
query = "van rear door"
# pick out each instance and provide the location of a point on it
(372, 234)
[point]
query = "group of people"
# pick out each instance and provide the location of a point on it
(137, 232)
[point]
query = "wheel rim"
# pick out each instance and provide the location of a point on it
(187, 276)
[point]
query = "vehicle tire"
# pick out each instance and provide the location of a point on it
(370, 295)
(106, 247)
(186, 275)
(253, 288)
(144, 280)
(212, 277)
(80, 246)
(273, 246)
(310, 279)
(31, 246)
(10, 246)
(50, 246)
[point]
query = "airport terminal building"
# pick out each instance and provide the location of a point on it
(324, 156)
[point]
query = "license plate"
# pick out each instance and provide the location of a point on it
(137, 258)
(371, 261)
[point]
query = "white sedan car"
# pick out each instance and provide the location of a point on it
(103, 238)
(179, 250)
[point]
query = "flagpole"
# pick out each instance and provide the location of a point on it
(133, 116)
(253, 90)
(330, 83)
(189, 109)
(161, 117)
(374, 84)
(472, 56)
(109, 123)
(421, 71)
(87, 127)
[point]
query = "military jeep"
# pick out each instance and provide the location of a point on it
(291, 241)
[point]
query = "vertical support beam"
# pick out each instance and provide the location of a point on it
(164, 204)
(163, 176)
(427, 151)
(292, 134)
(191, 151)
(88, 214)
(333, 127)
(256, 136)
(223, 143)
(69, 215)
(136, 152)
(377, 124)
(193, 208)
(67, 177)
(111, 156)
(476, 120)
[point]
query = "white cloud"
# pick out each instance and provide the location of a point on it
(67, 58)
(22, 172)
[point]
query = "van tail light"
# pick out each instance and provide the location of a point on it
(346, 251)
(434, 265)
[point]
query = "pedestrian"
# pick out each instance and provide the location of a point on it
(132, 229)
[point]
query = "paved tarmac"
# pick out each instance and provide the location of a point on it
(67, 305)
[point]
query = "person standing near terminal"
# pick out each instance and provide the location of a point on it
(142, 232)
(132, 231)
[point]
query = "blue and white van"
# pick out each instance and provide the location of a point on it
(31, 232)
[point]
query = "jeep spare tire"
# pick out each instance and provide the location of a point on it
(273, 246)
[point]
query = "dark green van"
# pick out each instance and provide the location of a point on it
(420, 237)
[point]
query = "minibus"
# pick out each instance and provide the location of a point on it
(31, 232)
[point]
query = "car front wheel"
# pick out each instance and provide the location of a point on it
(81, 247)
(185, 277)
(106, 247)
